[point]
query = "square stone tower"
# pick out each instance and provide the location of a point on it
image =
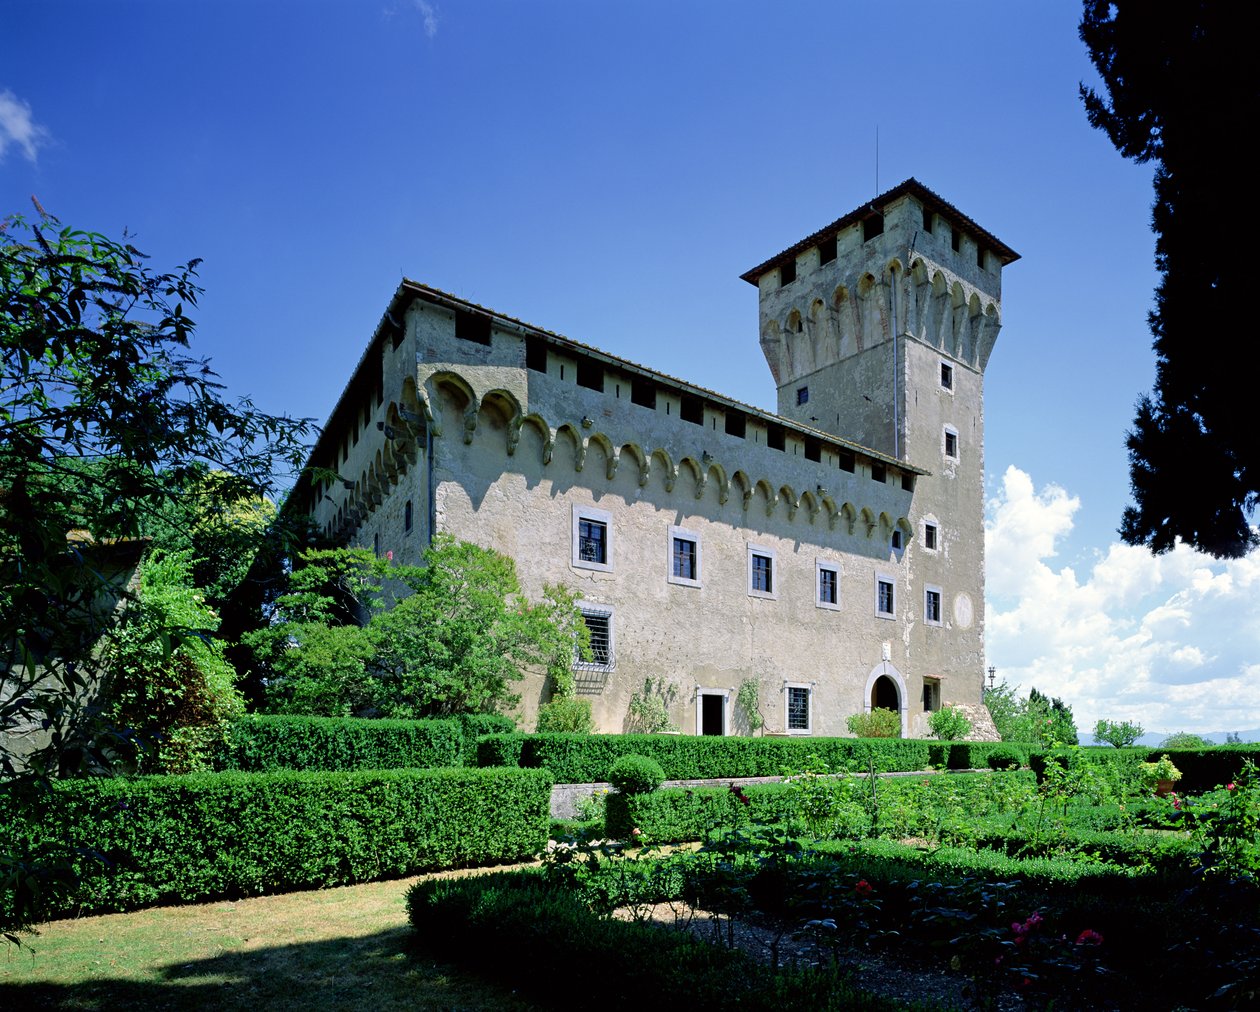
(878, 328)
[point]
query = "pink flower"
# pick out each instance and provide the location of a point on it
(1230, 787)
(390, 555)
(1089, 937)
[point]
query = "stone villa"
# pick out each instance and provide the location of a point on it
(832, 551)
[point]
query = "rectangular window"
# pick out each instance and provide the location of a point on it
(955, 239)
(896, 541)
(951, 444)
(736, 423)
(827, 584)
(643, 393)
(846, 461)
(930, 535)
(813, 449)
(932, 605)
(827, 250)
(787, 273)
(885, 597)
(590, 375)
(775, 436)
(536, 354)
(599, 623)
(684, 557)
(473, 327)
(761, 576)
(797, 708)
(931, 695)
(592, 539)
(927, 221)
(907, 482)
(691, 410)
(802, 396)
(879, 472)
(872, 226)
(947, 376)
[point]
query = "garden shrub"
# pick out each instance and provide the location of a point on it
(261, 743)
(636, 774)
(191, 838)
(1005, 757)
(949, 724)
(579, 759)
(527, 923)
(566, 715)
(878, 723)
(474, 725)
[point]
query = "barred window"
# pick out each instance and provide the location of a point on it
(885, 598)
(684, 559)
(762, 574)
(932, 606)
(929, 536)
(827, 586)
(797, 708)
(599, 625)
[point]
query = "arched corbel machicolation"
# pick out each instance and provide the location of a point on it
(413, 414)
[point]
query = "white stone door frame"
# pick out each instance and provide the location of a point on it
(886, 668)
(726, 706)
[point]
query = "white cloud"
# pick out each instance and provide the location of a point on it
(1172, 641)
(18, 128)
(429, 13)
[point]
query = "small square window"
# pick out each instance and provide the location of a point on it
(684, 557)
(599, 623)
(761, 575)
(827, 585)
(885, 597)
(932, 605)
(796, 700)
(879, 472)
(931, 536)
(592, 539)
(947, 376)
(896, 540)
(802, 396)
(951, 444)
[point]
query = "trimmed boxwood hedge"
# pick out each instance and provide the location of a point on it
(1202, 769)
(508, 926)
(262, 742)
(189, 838)
(587, 758)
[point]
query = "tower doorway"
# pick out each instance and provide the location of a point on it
(884, 694)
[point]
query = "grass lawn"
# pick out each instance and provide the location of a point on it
(345, 948)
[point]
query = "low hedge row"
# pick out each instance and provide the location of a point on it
(166, 839)
(265, 742)
(527, 924)
(587, 758)
(1202, 769)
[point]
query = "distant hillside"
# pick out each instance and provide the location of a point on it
(1151, 739)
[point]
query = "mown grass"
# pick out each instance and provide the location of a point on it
(347, 948)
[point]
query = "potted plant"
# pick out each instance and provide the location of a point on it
(1161, 775)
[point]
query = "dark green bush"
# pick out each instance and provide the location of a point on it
(586, 758)
(1005, 757)
(636, 774)
(474, 725)
(261, 743)
(189, 838)
(615, 964)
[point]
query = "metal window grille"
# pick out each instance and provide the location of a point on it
(827, 586)
(599, 624)
(762, 574)
(933, 606)
(885, 597)
(684, 559)
(929, 536)
(592, 541)
(951, 445)
(797, 709)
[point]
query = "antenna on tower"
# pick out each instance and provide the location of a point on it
(877, 158)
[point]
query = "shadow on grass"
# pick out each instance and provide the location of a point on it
(381, 971)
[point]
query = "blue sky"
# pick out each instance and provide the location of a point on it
(607, 170)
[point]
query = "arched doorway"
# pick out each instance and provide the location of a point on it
(884, 694)
(886, 687)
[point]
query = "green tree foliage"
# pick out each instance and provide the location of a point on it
(1174, 75)
(104, 416)
(1184, 739)
(1034, 720)
(1121, 734)
(878, 723)
(179, 699)
(949, 724)
(459, 632)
